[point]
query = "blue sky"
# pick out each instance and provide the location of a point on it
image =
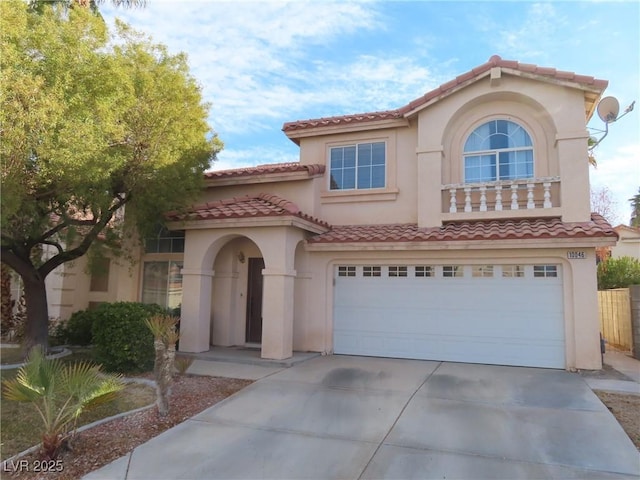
(261, 64)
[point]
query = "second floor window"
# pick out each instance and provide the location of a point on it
(359, 166)
(498, 150)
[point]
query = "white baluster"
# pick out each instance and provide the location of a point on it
(453, 208)
(547, 195)
(483, 198)
(467, 199)
(530, 203)
(514, 197)
(498, 206)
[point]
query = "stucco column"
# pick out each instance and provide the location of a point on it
(585, 331)
(196, 310)
(429, 186)
(277, 314)
(574, 176)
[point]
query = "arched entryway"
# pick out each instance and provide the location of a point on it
(237, 286)
(215, 293)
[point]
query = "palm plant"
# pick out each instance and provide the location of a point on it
(60, 393)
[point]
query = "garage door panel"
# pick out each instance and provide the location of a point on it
(511, 321)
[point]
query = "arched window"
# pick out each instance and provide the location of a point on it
(498, 150)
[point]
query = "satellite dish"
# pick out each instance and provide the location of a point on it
(608, 109)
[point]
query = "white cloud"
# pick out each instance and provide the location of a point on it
(619, 171)
(238, 158)
(247, 55)
(539, 33)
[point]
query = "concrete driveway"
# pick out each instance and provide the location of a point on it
(370, 418)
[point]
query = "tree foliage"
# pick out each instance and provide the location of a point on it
(91, 122)
(635, 210)
(40, 5)
(618, 273)
(122, 341)
(602, 202)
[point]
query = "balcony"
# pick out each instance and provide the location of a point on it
(530, 197)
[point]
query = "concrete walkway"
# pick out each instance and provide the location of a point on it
(629, 369)
(370, 418)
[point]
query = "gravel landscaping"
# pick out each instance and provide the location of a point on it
(98, 446)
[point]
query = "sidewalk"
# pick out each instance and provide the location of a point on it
(628, 380)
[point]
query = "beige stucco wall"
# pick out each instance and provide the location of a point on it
(628, 245)
(427, 153)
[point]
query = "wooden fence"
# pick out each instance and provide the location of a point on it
(615, 317)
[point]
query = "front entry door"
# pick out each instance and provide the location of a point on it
(254, 301)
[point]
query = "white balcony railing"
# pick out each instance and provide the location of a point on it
(524, 194)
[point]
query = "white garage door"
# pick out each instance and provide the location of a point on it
(495, 314)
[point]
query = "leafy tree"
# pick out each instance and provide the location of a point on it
(89, 124)
(40, 5)
(60, 393)
(618, 273)
(635, 210)
(602, 202)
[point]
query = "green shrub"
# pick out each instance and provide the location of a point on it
(122, 341)
(77, 330)
(618, 273)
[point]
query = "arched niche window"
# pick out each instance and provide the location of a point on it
(498, 150)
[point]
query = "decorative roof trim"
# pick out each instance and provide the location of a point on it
(267, 169)
(470, 231)
(246, 207)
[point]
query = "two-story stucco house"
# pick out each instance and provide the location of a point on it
(454, 228)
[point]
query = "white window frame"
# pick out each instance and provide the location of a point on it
(357, 166)
(482, 271)
(346, 271)
(545, 271)
(513, 271)
(371, 271)
(495, 153)
(398, 271)
(452, 271)
(424, 271)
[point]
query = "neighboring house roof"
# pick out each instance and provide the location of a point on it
(262, 205)
(470, 230)
(627, 231)
(592, 86)
(274, 168)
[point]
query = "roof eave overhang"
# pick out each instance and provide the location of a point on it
(546, 243)
(275, 177)
(411, 111)
(347, 127)
(591, 92)
(252, 222)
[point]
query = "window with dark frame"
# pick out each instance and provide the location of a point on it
(424, 271)
(372, 271)
(450, 271)
(398, 271)
(346, 271)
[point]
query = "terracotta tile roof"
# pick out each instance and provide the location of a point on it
(262, 205)
(494, 61)
(267, 169)
(470, 230)
(341, 120)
